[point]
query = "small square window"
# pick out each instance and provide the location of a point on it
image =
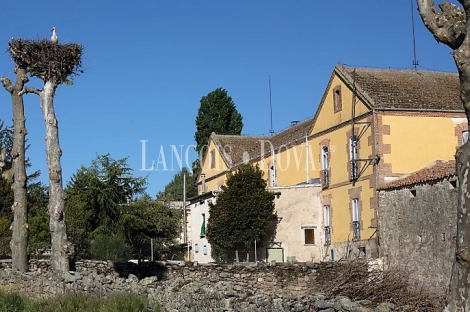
(309, 235)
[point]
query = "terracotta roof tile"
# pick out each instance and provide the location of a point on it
(435, 171)
(238, 148)
(407, 89)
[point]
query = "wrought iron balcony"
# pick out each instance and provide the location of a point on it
(327, 235)
(325, 179)
(356, 230)
(354, 174)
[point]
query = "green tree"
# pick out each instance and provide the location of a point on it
(147, 219)
(36, 192)
(6, 192)
(242, 213)
(174, 190)
(38, 219)
(217, 113)
(96, 195)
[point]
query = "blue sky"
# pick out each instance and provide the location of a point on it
(149, 62)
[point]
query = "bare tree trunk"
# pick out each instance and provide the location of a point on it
(20, 231)
(458, 294)
(451, 26)
(61, 248)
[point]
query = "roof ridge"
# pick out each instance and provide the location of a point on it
(345, 66)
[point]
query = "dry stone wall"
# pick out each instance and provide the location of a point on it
(178, 286)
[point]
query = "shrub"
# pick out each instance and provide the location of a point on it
(114, 248)
(124, 302)
(11, 302)
(357, 281)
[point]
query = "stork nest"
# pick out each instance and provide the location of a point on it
(47, 60)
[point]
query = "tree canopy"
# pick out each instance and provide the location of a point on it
(217, 113)
(243, 211)
(174, 189)
(109, 215)
(95, 197)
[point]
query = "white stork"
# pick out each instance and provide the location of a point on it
(54, 37)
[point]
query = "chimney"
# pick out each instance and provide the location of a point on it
(294, 122)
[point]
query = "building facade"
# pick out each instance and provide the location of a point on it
(372, 126)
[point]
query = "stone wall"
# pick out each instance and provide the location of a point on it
(178, 286)
(417, 230)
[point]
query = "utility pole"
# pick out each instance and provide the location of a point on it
(185, 224)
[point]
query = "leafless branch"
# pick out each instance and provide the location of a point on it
(29, 90)
(7, 84)
(447, 25)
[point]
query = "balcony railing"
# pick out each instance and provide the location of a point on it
(325, 179)
(354, 169)
(356, 230)
(327, 235)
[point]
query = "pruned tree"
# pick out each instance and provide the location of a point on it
(17, 173)
(54, 64)
(450, 24)
(243, 212)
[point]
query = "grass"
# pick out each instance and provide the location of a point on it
(75, 302)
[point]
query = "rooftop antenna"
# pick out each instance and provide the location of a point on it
(415, 61)
(271, 130)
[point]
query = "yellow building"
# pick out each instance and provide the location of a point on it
(371, 126)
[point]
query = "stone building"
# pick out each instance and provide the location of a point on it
(417, 223)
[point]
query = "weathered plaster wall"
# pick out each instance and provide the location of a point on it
(297, 208)
(417, 228)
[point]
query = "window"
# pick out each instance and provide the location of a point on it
(196, 248)
(309, 235)
(212, 155)
(353, 157)
(327, 225)
(324, 158)
(464, 137)
(204, 250)
(272, 173)
(327, 215)
(355, 218)
(325, 165)
(337, 99)
(362, 252)
(203, 225)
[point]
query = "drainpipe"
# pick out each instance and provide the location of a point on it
(203, 183)
(306, 156)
